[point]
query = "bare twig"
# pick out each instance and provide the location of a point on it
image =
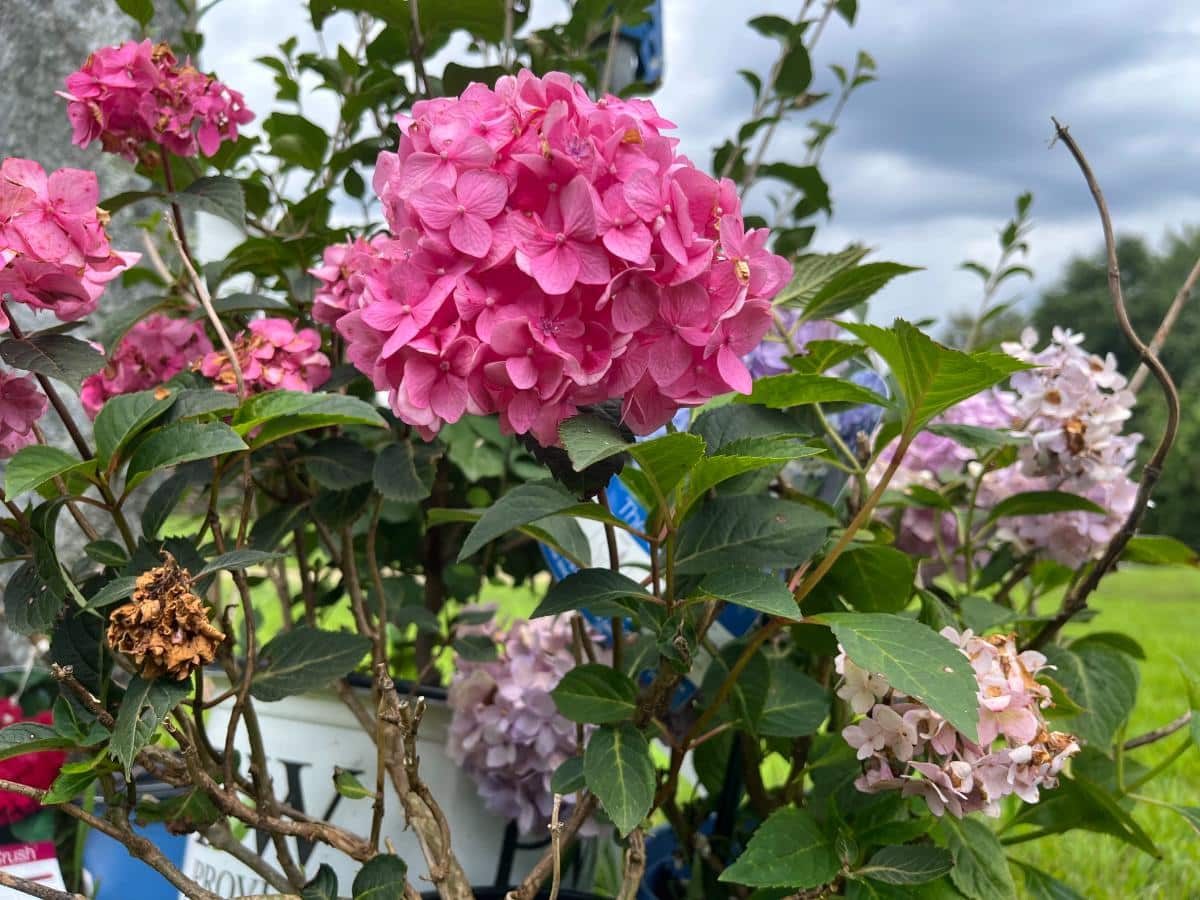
(542, 868)
(33, 889)
(1159, 733)
(556, 829)
(221, 837)
(1076, 599)
(65, 675)
(1168, 323)
(416, 42)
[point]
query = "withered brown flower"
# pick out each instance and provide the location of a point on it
(165, 627)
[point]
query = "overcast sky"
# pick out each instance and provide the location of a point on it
(928, 160)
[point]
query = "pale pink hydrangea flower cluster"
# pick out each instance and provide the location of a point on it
(550, 252)
(273, 355)
(154, 350)
(344, 273)
(54, 250)
(137, 96)
(906, 746)
(505, 730)
(21, 404)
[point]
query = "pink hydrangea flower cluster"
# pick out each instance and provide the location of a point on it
(505, 730)
(770, 356)
(35, 770)
(273, 355)
(21, 404)
(154, 350)
(549, 252)
(54, 250)
(344, 273)
(906, 746)
(136, 97)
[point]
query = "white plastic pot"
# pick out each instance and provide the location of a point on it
(306, 738)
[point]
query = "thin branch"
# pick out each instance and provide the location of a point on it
(33, 889)
(1159, 733)
(1076, 599)
(221, 837)
(556, 829)
(610, 59)
(416, 45)
(1168, 323)
(533, 881)
(635, 866)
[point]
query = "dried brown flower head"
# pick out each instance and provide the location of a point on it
(165, 627)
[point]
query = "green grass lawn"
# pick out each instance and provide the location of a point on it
(1160, 608)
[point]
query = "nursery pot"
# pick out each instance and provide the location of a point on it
(306, 737)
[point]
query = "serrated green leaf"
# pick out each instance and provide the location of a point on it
(124, 417)
(619, 771)
(36, 465)
(235, 559)
(753, 589)
(594, 694)
(277, 414)
(58, 356)
(107, 553)
(906, 865)
(324, 885)
(664, 460)
(346, 784)
(850, 287)
(568, 777)
(796, 705)
(114, 592)
(1159, 550)
(1040, 885)
(31, 737)
(1101, 680)
(749, 531)
(1039, 503)
(181, 442)
(339, 463)
(800, 389)
(305, 659)
(143, 709)
(788, 850)
(980, 868)
(383, 878)
(873, 578)
(601, 592)
(404, 473)
(523, 505)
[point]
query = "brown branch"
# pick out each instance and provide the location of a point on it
(635, 866)
(33, 889)
(65, 675)
(542, 868)
(221, 837)
(416, 46)
(1159, 733)
(1076, 599)
(1167, 324)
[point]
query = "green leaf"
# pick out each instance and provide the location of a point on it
(114, 592)
(664, 460)
(932, 377)
(1191, 814)
(1038, 503)
(141, 11)
(339, 463)
(980, 869)
(796, 704)
(404, 472)
(974, 437)
(568, 777)
(813, 271)
(906, 865)
(602, 592)
(758, 532)
(1159, 550)
(849, 288)
(107, 553)
(594, 694)
(619, 771)
(278, 414)
(30, 737)
(915, 659)
(1191, 685)
(348, 786)
(873, 578)
(30, 606)
(788, 850)
(716, 469)
(124, 417)
(58, 356)
(143, 709)
(523, 505)
(235, 559)
(181, 442)
(241, 302)
(218, 195)
(296, 141)
(324, 885)
(383, 878)
(799, 389)
(1101, 680)
(305, 659)
(1041, 886)
(35, 465)
(795, 71)
(162, 502)
(69, 784)
(753, 589)
(747, 697)
(728, 425)
(1078, 802)
(192, 403)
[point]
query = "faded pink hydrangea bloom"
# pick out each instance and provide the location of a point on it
(273, 355)
(505, 730)
(136, 97)
(21, 404)
(154, 350)
(549, 252)
(906, 746)
(54, 250)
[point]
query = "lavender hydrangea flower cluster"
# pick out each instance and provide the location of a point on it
(505, 730)
(908, 747)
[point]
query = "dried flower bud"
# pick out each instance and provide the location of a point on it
(165, 627)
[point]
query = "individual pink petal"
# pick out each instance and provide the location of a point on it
(471, 234)
(734, 371)
(481, 192)
(577, 203)
(556, 270)
(630, 242)
(449, 398)
(437, 205)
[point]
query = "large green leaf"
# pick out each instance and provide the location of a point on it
(906, 864)
(980, 868)
(339, 463)
(296, 141)
(235, 559)
(114, 592)
(30, 607)
(753, 454)
(730, 424)
(305, 659)
(932, 377)
(218, 195)
(58, 356)
(915, 659)
(753, 589)
(848, 288)
(30, 737)
(601, 592)
(749, 531)
(523, 505)
(801, 388)
(1103, 681)
(143, 709)
(276, 414)
(181, 442)
(747, 697)
(383, 878)
(323, 886)
(1159, 550)
(619, 771)
(1040, 885)
(1079, 802)
(123, 418)
(873, 578)
(664, 460)
(594, 694)
(1040, 503)
(36, 465)
(796, 704)
(813, 271)
(404, 472)
(788, 850)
